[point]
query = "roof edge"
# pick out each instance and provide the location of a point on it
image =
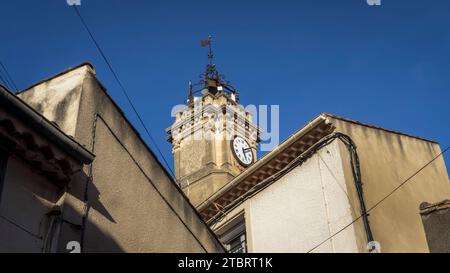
(172, 180)
(323, 117)
(376, 127)
(58, 75)
(267, 157)
(44, 126)
(427, 208)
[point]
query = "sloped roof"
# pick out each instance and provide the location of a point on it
(38, 140)
(376, 127)
(254, 178)
(56, 76)
(267, 166)
(187, 216)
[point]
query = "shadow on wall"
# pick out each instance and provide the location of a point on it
(31, 217)
(76, 229)
(75, 233)
(80, 183)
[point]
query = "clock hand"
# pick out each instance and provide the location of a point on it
(244, 153)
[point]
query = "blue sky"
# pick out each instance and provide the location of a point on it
(387, 65)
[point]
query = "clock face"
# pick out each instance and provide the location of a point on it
(242, 151)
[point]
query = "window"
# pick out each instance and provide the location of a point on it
(233, 235)
(237, 244)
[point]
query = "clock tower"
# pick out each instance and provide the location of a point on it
(213, 137)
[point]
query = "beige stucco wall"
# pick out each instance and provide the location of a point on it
(387, 159)
(59, 99)
(26, 199)
(133, 205)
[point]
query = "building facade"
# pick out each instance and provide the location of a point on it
(37, 163)
(333, 186)
(124, 200)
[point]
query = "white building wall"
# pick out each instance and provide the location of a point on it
(304, 208)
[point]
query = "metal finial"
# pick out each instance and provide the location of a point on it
(191, 94)
(211, 72)
(212, 79)
(210, 52)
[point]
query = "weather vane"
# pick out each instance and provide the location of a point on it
(212, 79)
(211, 72)
(207, 43)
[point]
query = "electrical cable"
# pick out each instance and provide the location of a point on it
(381, 200)
(3, 82)
(298, 161)
(122, 89)
(346, 140)
(8, 77)
(336, 181)
(302, 158)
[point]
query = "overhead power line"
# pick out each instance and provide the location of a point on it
(382, 199)
(124, 91)
(3, 82)
(8, 77)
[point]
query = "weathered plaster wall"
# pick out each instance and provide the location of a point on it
(26, 199)
(59, 99)
(133, 206)
(146, 224)
(387, 159)
(436, 222)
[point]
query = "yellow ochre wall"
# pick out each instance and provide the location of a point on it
(387, 159)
